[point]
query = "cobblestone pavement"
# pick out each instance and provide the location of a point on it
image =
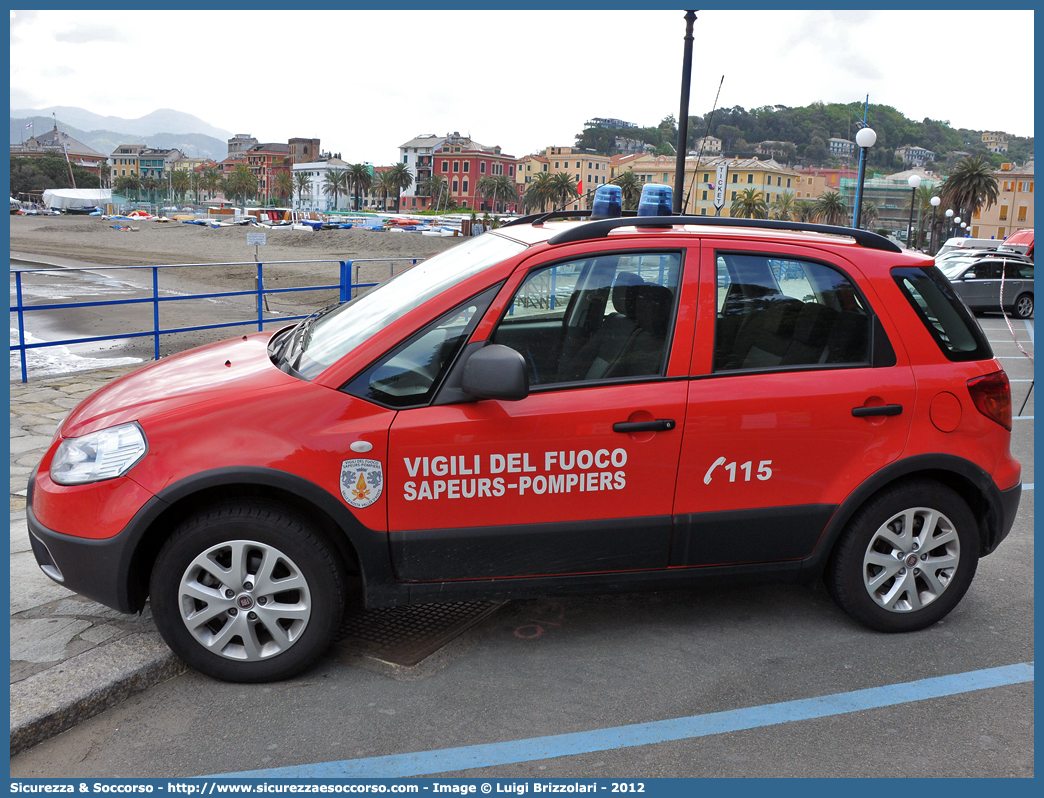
(70, 657)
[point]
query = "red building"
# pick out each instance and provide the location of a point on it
(463, 163)
(266, 161)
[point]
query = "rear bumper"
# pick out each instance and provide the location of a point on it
(1009, 508)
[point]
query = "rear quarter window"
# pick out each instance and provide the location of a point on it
(943, 314)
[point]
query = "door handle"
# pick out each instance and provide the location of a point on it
(658, 425)
(881, 410)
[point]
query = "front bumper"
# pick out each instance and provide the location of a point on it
(97, 569)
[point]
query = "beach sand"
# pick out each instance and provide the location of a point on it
(83, 242)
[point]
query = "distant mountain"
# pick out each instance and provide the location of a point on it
(105, 141)
(163, 120)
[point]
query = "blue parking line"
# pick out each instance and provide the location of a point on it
(559, 745)
(1027, 486)
(1029, 326)
(1022, 418)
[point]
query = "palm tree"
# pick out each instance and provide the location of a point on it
(128, 183)
(180, 182)
(783, 206)
(385, 184)
(749, 204)
(401, 179)
(334, 183)
(563, 189)
(211, 181)
(240, 183)
(436, 187)
(284, 184)
(869, 215)
(498, 189)
(831, 208)
(150, 184)
(630, 189)
(970, 187)
(360, 178)
(538, 192)
(302, 183)
(805, 210)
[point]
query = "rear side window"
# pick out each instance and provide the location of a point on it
(943, 313)
(776, 312)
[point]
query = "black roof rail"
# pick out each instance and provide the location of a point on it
(602, 227)
(540, 218)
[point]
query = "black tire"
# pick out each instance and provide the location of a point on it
(1024, 306)
(287, 619)
(889, 593)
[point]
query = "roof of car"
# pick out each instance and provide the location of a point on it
(540, 228)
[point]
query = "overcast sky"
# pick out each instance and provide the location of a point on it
(365, 82)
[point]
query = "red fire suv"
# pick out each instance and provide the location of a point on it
(553, 407)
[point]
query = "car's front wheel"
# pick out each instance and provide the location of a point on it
(247, 593)
(906, 558)
(1024, 306)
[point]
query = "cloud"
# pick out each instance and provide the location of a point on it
(19, 18)
(87, 34)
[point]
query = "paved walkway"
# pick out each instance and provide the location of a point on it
(71, 658)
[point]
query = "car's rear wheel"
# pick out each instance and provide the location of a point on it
(247, 593)
(1024, 306)
(906, 558)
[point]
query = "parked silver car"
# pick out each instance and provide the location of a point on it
(978, 282)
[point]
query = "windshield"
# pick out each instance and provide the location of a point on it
(951, 267)
(337, 333)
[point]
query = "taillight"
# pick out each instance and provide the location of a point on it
(992, 396)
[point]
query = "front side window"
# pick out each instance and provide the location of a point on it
(778, 312)
(604, 317)
(410, 374)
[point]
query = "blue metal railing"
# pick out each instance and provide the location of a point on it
(345, 285)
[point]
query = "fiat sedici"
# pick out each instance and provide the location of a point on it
(615, 403)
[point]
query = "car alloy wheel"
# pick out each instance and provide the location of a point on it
(244, 600)
(911, 559)
(1024, 306)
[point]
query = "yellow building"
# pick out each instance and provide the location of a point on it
(1013, 209)
(124, 161)
(588, 169)
(767, 176)
(187, 164)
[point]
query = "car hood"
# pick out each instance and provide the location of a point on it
(237, 367)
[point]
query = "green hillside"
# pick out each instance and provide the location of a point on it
(809, 128)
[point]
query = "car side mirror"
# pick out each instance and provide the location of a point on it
(496, 372)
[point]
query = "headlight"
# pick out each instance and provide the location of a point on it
(101, 455)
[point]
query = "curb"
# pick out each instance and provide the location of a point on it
(55, 700)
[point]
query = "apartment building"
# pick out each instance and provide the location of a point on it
(813, 182)
(463, 163)
(588, 169)
(123, 162)
(915, 156)
(769, 177)
(1013, 209)
(841, 149)
(266, 161)
(995, 142)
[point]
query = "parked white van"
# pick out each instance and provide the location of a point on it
(968, 243)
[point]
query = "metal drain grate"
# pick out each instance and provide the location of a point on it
(406, 635)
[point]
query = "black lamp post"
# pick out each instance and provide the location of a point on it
(935, 207)
(914, 181)
(865, 138)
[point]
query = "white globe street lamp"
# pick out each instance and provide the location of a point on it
(865, 138)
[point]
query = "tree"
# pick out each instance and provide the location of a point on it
(284, 184)
(302, 183)
(749, 204)
(241, 182)
(783, 206)
(335, 181)
(831, 208)
(538, 192)
(211, 181)
(401, 179)
(805, 210)
(498, 189)
(150, 185)
(436, 187)
(180, 182)
(385, 184)
(970, 187)
(630, 189)
(869, 214)
(360, 178)
(128, 183)
(563, 189)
